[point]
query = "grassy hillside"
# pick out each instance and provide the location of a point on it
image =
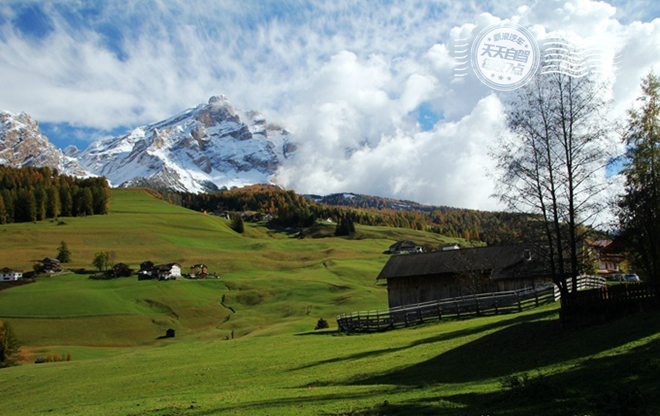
(273, 288)
(271, 282)
(451, 368)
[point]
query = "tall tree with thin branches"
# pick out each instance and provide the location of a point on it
(549, 165)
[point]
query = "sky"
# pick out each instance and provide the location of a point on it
(367, 88)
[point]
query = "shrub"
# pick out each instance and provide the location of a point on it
(237, 224)
(321, 324)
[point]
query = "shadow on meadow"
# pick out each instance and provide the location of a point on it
(620, 384)
(525, 346)
(444, 337)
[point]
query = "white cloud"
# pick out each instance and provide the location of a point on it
(344, 76)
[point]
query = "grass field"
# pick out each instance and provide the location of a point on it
(451, 368)
(271, 282)
(245, 344)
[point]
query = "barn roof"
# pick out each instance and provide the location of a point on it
(500, 261)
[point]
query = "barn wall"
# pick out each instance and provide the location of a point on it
(412, 290)
(418, 289)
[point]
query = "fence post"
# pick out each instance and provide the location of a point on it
(536, 298)
(439, 313)
(478, 311)
(519, 304)
(458, 309)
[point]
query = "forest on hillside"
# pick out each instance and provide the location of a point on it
(35, 194)
(293, 210)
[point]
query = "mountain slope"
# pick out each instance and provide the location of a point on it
(22, 144)
(203, 148)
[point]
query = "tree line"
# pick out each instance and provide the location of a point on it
(290, 209)
(34, 194)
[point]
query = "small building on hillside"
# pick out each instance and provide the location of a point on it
(50, 265)
(607, 254)
(450, 246)
(122, 270)
(413, 279)
(10, 275)
(168, 271)
(146, 271)
(198, 271)
(405, 246)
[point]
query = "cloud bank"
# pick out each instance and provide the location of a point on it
(349, 79)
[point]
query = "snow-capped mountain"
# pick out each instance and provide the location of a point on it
(22, 144)
(206, 147)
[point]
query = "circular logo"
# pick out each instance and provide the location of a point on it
(505, 56)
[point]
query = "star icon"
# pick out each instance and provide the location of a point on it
(501, 77)
(492, 75)
(527, 46)
(488, 39)
(508, 78)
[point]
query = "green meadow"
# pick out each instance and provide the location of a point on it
(270, 281)
(245, 343)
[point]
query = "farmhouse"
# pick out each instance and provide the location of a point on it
(122, 270)
(10, 275)
(168, 271)
(608, 256)
(405, 246)
(50, 265)
(416, 278)
(198, 271)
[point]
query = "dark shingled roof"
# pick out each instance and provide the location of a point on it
(501, 261)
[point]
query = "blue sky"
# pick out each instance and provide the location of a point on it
(372, 76)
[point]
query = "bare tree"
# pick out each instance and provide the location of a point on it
(547, 166)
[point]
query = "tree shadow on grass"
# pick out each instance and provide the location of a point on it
(448, 336)
(624, 384)
(519, 348)
(285, 402)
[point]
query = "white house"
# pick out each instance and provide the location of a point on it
(168, 271)
(10, 275)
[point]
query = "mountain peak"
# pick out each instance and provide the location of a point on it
(22, 144)
(203, 148)
(218, 99)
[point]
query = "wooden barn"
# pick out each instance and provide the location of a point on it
(416, 278)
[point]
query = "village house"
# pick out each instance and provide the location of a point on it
(10, 275)
(162, 271)
(608, 256)
(413, 279)
(198, 271)
(146, 270)
(404, 246)
(50, 265)
(122, 270)
(168, 271)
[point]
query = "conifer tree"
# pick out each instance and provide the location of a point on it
(63, 253)
(9, 345)
(3, 211)
(639, 208)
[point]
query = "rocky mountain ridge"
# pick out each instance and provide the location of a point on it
(203, 148)
(23, 144)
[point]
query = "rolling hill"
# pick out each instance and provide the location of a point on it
(272, 288)
(270, 281)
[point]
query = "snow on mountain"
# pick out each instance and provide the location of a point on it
(22, 144)
(203, 148)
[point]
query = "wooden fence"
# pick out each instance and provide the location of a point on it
(610, 302)
(583, 283)
(473, 305)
